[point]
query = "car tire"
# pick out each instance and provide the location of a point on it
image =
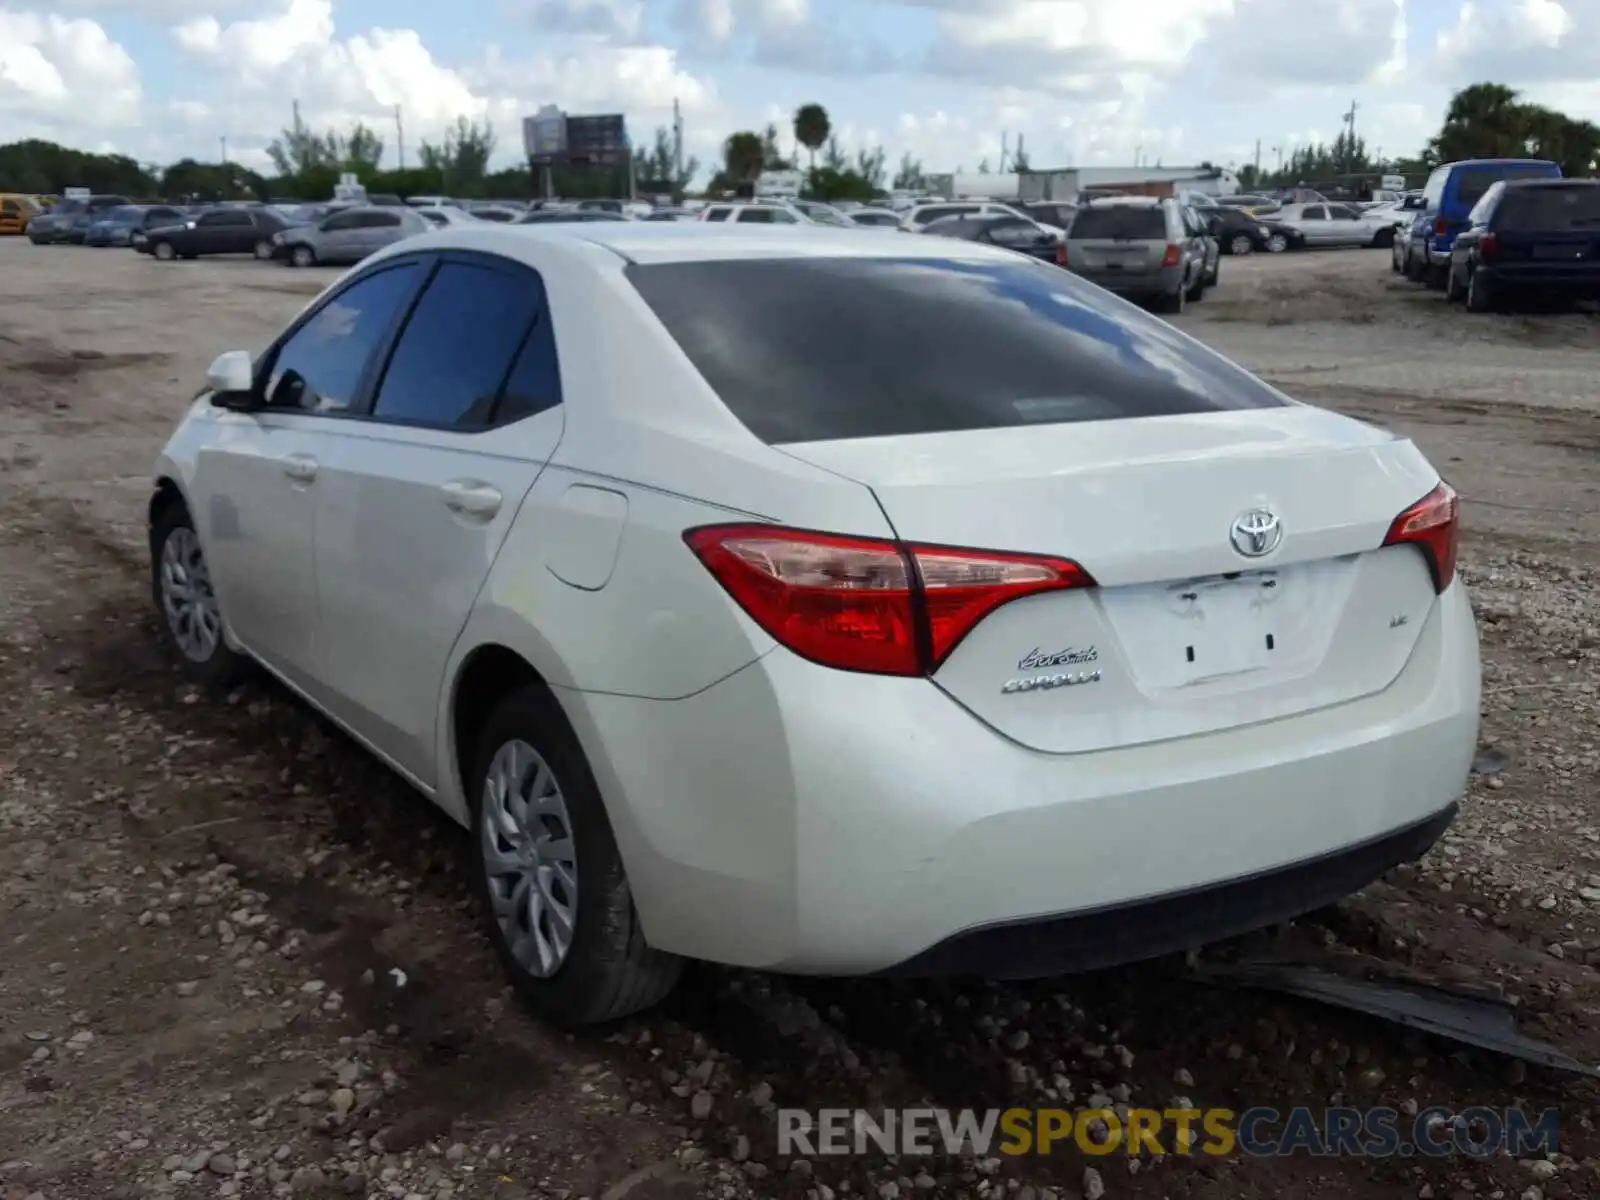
(1383, 239)
(1277, 243)
(1434, 277)
(262, 250)
(1241, 245)
(1480, 296)
(1454, 291)
(606, 969)
(1197, 293)
(186, 604)
(1415, 271)
(164, 251)
(1395, 264)
(302, 256)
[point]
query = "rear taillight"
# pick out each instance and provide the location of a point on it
(1174, 252)
(1061, 254)
(865, 604)
(1432, 523)
(1489, 246)
(1440, 227)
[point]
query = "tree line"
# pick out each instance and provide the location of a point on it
(1485, 120)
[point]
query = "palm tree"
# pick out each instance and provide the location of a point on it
(742, 156)
(811, 128)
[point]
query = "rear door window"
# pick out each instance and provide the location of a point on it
(1552, 209)
(457, 347)
(1473, 182)
(717, 214)
(928, 346)
(1124, 222)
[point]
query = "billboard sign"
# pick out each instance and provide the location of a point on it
(598, 141)
(544, 135)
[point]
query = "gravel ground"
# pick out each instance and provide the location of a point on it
(237, 960)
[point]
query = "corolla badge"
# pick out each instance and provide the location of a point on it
(1047, 683)
(1256, 533)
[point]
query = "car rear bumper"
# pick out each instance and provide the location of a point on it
(1577, 280)
(806, 820)
(1141, 284)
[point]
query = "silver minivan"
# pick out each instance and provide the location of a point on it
(1142, 247)
(349, 235)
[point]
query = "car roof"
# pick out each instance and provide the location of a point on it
(1553, 184)
(1497, 162)
(653, 242)
(1127, 201)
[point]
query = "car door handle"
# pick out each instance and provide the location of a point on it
(470, 498)
(301, 468)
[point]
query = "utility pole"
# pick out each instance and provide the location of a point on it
(1005, 139)
(400, 137)
(1258, 161)
(224, 140)
(1350, 147)
(678, 181)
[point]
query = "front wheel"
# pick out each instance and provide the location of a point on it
(1240, 245)
(263, 250)
(1454, 290)
(164, 251)
(303, 256)
(548, 875)
(180, 581)
(1277, 244)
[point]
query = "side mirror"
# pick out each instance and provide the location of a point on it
(231, 380)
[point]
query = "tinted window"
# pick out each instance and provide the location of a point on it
(125, 215)
(955, 227)
(1340, 213)
(1473, 182)
(1015, 233)
(319, 368)
(762, 216)
(945, 210)
(1108, 221)
(377, 220)
(224, 218)
(457, 347)
(10, 206)
(1549, 208)
(436, 218)
(717, 214)
(342, 221)
(157, 216)
(921, 346)
(535, 381)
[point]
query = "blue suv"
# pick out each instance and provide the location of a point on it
(1452, 190)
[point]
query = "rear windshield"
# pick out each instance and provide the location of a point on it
(1122, 222)
(817, 349)
(1549, 208)
(1473, 182)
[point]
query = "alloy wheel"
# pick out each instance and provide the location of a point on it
(529, 858)
(187, 597)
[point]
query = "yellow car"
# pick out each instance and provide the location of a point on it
(16, 211)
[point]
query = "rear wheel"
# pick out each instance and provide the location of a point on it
(164, 251)
(303, 256)
(547, 872)
(1416, 269)
(1198, 291)
(1241, 244)
(1480, 296)
(1173, 302)
(1454, 289)
(263, 250)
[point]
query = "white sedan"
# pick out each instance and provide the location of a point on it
(1337, 225)
(1023, 634)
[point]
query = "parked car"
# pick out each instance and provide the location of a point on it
(16, 210)
(1239, 232)
(445, 215)
(567, 216)
(1281, 237)
(499, 214)
(1143, 248)
(1451, 193)
(1009, 233)
(754, 213)
(1529, 238)
(678, 730)
(822, 214)
(925, 214)
(668, 213)
(1057, 214)
(875, 218)
(1330, 225)
(119, 226)
(348, 236)
(1250, 201)
(217, 231)
(69, 220)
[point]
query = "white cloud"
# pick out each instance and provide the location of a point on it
(49, 65)
(1521, 41)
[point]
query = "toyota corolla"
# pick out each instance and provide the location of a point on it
(813, 603)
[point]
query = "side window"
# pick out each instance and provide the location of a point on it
(761, 216)
(340, 222)
(781, 216)
(10, 206)
(210, 219)
(382, 220)
(1314, 212)
(457, 347)
(717, 214)
(1433, 193)
(1484, 208)
(1339, 212)
(535, 381)
(1015, 234)
(321, 366)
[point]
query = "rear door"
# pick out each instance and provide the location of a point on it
(1554, 228)
(417, 498)
(1117, 239)
(1235, 537)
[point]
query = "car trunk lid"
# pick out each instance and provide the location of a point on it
(1185, 633)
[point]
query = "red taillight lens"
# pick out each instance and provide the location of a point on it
(1061, 254)
(1432, 523)
(1440, 227)
(1174, 251)
(864, 604)
(1489, 246)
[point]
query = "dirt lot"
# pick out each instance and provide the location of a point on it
(236, 958)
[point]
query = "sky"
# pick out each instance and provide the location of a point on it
(1082, 82)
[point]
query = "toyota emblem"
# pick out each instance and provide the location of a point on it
(1256, 533)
